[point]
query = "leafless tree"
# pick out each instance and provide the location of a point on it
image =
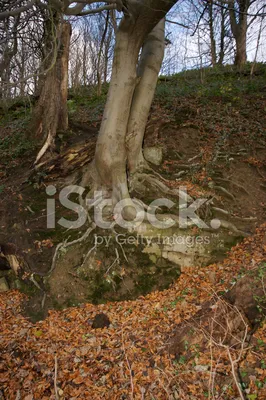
(138, 55)
(239, 11)
(50, 113)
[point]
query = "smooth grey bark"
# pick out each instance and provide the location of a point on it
(111, 156)
(129, 99)
(148, 70)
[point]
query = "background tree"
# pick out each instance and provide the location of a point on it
(239, 24)
(91, 51)
(239, 11)
(51, 114)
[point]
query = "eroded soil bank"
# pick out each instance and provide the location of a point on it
(220, 157)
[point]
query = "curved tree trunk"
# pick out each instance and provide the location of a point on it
(129, 98)
(148, 71)
(110, 155)
(50, 114)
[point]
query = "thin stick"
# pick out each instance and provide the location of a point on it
(129, 367)
(234, 374)
(55, 377)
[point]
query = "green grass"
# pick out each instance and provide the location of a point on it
(173, 93)
(16, 144)
(223, 81)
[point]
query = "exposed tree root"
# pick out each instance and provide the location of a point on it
(234, 183)
(261, 174)
(186, 166)
(63, 245)
(48, 143)
(88, 254)
(231, 227)
(142, 177)
(179, 174)
(227, 213)
(195, 157)
(223, 190)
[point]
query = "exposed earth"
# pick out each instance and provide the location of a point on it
(209, 138)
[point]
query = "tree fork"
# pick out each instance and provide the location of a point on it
(111, 155)
(129, 99)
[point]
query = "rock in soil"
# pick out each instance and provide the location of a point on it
(101, 321)
(3, 285)
(154, 155)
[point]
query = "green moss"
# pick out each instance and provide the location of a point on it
(101, 287)
(28, 288)
(145, 283)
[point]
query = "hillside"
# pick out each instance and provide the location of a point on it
(209, 128)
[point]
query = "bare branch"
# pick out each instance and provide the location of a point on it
(177, 23)
(17, 11)
(69, 11)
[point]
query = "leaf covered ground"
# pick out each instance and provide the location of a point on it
(63, 357)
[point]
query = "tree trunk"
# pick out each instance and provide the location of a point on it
(107, 50)
(239, 29)
(222, 36)
(241, 52)
(7, 54)
(212, 38)
(99, 64)
(109, 168)
(50, 114)
(127, 108)
(148, 71)
(110, 155)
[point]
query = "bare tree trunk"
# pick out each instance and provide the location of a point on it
(84, 63)
(7, 55)
(257, 46)
(99, 66)
(107, 50)
(127, 110)
(63, 60)
(222, 36)
(109, 168)
(241, 53)
(212, 38)
(148, 71)
(110, 155)
(50, 114)
(21, 68)
(239, 29)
